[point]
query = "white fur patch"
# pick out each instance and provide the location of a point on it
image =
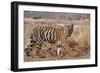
(61, 25)
(58, 51)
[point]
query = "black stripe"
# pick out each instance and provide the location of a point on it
(45, 30)
(39, 38)
(48, 29)
(54, 35)
(43, 35)
(50, 34)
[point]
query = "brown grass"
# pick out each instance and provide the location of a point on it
(79, 42)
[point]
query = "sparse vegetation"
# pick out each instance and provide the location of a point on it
(39, 17)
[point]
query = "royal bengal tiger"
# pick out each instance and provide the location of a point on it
(51, 34)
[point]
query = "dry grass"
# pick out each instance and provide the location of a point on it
(79, 42)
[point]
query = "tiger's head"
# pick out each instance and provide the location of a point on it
(69, 30)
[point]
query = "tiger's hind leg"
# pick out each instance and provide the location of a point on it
(28, 52)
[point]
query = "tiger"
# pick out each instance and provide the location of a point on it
(50, 34)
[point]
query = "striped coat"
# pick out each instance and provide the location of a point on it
(50, 34)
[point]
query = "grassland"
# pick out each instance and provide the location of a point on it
(79, 41)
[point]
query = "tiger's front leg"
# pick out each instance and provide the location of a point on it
(58, 45)
(58, 51)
